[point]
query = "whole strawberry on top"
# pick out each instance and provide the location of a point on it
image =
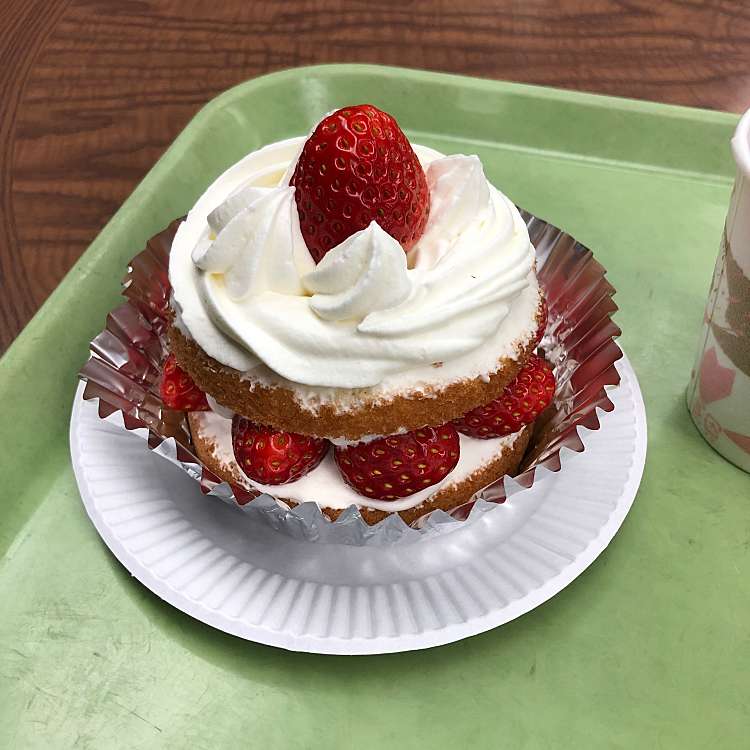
(355, 168)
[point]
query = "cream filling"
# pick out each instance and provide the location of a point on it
(324, 484)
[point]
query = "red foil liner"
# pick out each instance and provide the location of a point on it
(127, 356)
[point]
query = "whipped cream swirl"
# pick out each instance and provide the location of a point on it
(249, 293)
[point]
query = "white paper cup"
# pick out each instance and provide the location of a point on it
(719, 391)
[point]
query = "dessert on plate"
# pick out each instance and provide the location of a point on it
(355, 321)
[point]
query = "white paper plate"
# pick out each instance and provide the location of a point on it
(233, 571)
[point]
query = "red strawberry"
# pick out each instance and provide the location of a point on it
(542, 323)
(521, 403)
(178, 391)
(399, 465)
(272, 456)
(358, 166)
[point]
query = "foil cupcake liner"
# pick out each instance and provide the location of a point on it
(126, 360)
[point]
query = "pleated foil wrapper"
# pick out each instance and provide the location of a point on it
(126, 361)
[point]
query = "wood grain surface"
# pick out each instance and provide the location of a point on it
(94, 91)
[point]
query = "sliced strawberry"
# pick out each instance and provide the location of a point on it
(356, 167)
(272, 456)
(178, 391)
(521, 403)
(540, 331)
(399, 465)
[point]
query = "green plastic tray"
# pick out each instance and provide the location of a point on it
(648, 648)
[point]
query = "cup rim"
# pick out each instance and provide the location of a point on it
(741, 144)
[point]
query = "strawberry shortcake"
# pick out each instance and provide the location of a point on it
(355, 322)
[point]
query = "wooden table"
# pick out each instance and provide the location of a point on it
(93, 92)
